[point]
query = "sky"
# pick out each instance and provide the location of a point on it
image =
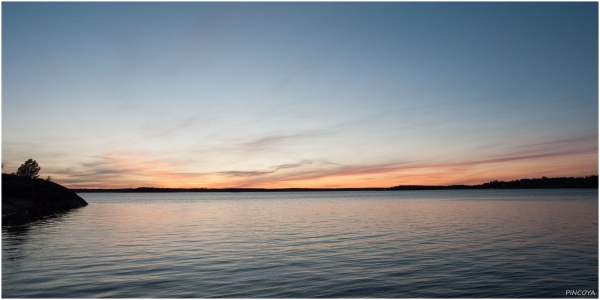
(283, 95)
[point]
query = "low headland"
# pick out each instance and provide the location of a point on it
(589, 182)
(25, 199)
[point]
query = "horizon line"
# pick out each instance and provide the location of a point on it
(335, 188)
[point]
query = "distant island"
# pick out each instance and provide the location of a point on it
(589, 182)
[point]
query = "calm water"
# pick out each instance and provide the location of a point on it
(519, 243)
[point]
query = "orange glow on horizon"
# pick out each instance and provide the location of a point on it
(155, 174)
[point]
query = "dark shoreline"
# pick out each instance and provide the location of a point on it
(589, 182)
(25, 199)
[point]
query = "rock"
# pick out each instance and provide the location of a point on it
(25, 199)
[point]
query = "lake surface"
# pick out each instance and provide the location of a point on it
(465, 243)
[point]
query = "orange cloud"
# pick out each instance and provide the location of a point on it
(134, 169)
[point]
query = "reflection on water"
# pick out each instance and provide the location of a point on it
(328, 244)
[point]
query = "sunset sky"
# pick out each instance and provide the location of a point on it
(299, 94)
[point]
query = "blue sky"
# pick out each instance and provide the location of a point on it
(299, 94)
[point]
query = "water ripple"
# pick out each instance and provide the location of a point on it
(298, 245)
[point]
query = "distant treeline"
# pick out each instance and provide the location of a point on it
(589, 182)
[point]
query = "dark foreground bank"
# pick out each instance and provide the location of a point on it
(25, 199)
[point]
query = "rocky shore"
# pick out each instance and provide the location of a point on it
(25, 199)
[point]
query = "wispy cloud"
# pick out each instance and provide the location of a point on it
(117, 169)
(260, 173)
(270, 141)
(321, 171)
(132, 169)
(305, 67)
(170, 128)
(588, 140)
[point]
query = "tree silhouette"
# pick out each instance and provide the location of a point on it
(29, 168)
